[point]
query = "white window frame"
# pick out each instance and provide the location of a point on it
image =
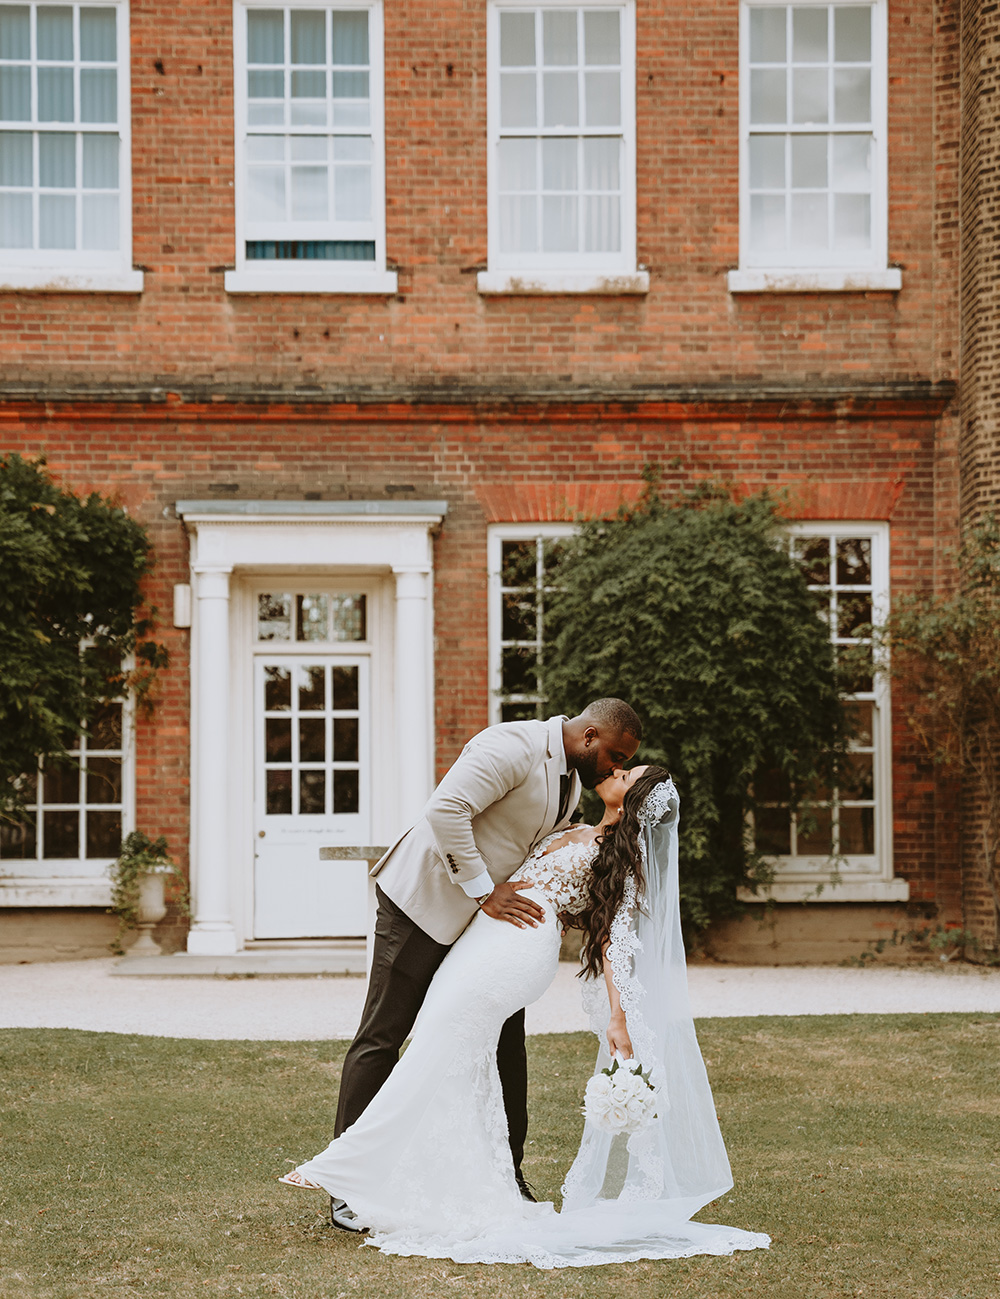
(868, 273)
(312, 276)
(851, 878)
(544, 273)
(84, 270)
(496, 535)
(79, 881)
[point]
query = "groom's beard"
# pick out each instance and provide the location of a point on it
(587, 770)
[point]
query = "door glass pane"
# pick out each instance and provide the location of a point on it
(345, 792)
(312, 792)
(345, 739)
(277, 690)
(278, 739)
(312, 740)
(104, 834)
(312, 688)
(345, 688)
(279, 793)
(274, 617)
(62, 834)
(312, 617)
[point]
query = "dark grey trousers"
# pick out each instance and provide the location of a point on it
(404, 961)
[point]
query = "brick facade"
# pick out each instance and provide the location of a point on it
(846, 399)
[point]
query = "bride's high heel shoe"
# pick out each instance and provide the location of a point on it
(295, 1178)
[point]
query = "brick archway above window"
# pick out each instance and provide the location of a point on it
(554, 502)
(871, 500)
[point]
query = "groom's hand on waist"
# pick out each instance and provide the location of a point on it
(506, 903)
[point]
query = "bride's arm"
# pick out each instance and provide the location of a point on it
(618, 1038)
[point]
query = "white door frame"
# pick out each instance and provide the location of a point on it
(233, 539)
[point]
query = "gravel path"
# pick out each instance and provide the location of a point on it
(85, 994)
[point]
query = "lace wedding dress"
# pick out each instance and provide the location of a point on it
(427, 1166)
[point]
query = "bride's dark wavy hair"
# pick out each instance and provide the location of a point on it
(618, 860)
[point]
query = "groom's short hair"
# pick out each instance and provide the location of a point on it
(617, 716)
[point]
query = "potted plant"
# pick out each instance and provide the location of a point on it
(138, 891)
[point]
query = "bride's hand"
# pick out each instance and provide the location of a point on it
(506, 903)
(618, 1038)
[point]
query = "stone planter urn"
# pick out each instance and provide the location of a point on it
(151, 909)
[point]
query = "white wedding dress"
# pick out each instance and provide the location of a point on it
(427, 1166)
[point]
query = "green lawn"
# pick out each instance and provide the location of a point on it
(867, 1146)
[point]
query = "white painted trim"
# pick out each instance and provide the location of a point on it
(284, 280)
(58, 280)
(529, 283)
(522, 268)
(877, 260)
(55, 891)
(823, 890)
(313, 277)
(829, 281)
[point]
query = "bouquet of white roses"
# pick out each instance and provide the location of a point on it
(620, 1099)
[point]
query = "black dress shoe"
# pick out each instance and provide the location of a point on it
(343, 1217)
(523, 1187)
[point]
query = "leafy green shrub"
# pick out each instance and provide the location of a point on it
(69, 594)
(693, 610)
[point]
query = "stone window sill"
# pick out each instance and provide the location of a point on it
(538, 283)
(13, 279)
(312, 281)
(67, 891)
(829, 281)
(847, 890)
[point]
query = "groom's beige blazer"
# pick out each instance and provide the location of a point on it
(497, 801)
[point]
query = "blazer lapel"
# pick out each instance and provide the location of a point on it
(552, 765)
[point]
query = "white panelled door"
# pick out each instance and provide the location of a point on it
(312, 788)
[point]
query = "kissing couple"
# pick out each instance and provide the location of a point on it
(471, 901)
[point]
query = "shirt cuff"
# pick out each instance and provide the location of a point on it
(478, 887)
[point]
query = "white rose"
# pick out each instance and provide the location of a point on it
(618, 1118)
(599, 1085)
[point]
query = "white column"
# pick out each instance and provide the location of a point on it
(212, 932)
(414, 729)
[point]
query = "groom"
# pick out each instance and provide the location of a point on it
(511, 785)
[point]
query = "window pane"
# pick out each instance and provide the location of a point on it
(854, 561)
(15, 158)
(773, 831)
(56, 222)
(767, 162)
(345, 792)
(852, 28)
(15, 94)
(351, 115)
(55, 94)
(560, 99)
(104, 729)
(560, 217)
(809, 220)
(55, 32)
(274, 615)
(61, 783)
(517, 162)
(518, 563)
(518, 225)
(852, 95)
(311, 84)
(57, 160)
(518, 671)
(815, 832)
(602, 224)
(517, 40)
(857, 831)
(100, 161)
(857, 779)
(519, 712)
(852, 168)
(602, 37)
(852, 221)
(266, 192)
(312, 793)
(17, 841)
(767, 95)
(345, 739)
(278, 739)
(810, 96)
(813, 553)
(350, 85)
(98, 95)
(104, 834)
(350, 38)
(308, 36)
(350, 617)
(312, 740)
(520, 616)
(311, 683)
(860, 718)
(559, 37)
(104, 780)
(15, 33)
(310, 198)
(309, 148)
(98, 39)
(277, 690)
(61, 832)
(266, 148)
(559, 164)
(853, 613)
(278, 798)
(767, 35)
(809, 31)
(602, 98)
(353, 194)
(517, 99)
(265, 36)
(601, 159)
(312, 613)
(767, 221)
(345, 688)
(809, 161)
(15, 220)
(352, 148)
(266, 85)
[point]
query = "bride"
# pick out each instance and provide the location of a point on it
(428, 1167)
